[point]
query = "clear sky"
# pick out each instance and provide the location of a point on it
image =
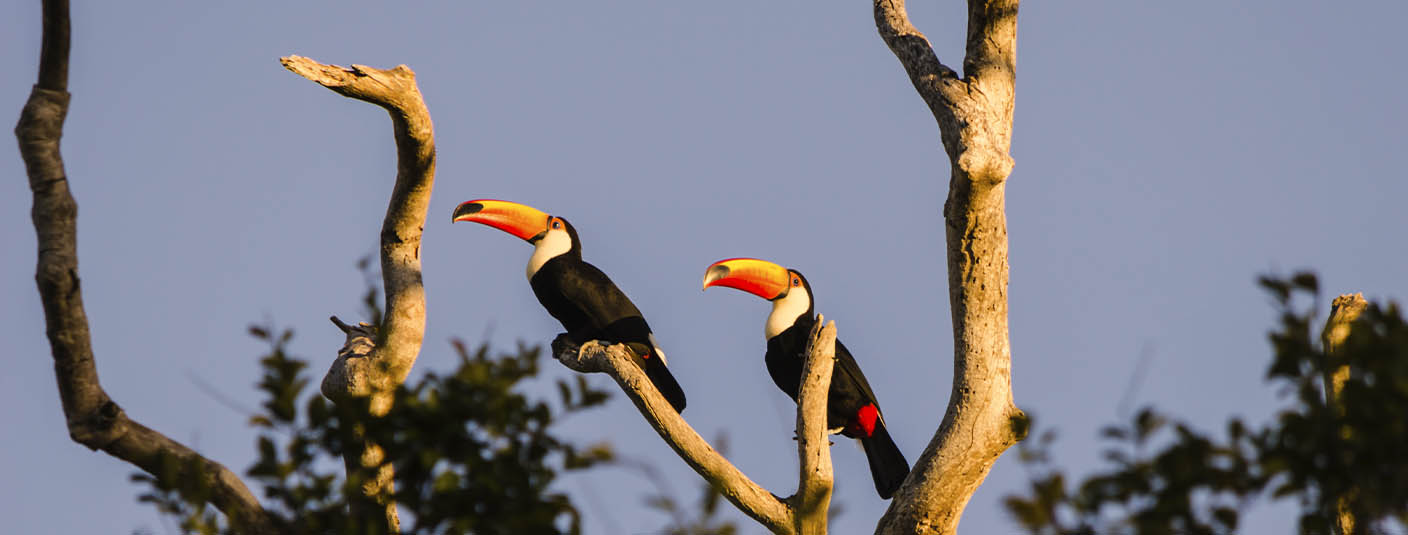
(1166, 154)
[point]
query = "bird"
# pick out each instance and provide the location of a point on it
(581, 297)
(852, 409)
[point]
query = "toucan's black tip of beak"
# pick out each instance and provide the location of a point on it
(466, 209)
(714, 273)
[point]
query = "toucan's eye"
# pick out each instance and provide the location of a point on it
(796, 281)
(557, 223)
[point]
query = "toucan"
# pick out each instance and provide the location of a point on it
(852, 409)
(578, 294)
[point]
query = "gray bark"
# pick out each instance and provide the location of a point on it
(377, 358)
(975, 123)
(94, 419)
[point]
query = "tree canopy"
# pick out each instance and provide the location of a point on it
(1337, 448)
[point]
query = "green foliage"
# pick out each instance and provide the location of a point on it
(179, 497)
(1319, 452)
(472, 454)
(492, 476)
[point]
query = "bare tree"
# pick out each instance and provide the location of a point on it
(974, 113)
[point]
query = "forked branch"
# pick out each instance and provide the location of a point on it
(975, 123)
(771, 511)
(94, 419)
(804, 512)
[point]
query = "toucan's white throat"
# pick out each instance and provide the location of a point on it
(786, 310)
(553, 244)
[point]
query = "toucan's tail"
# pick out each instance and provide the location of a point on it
(652, 360)
(887, 464)
(660, 376)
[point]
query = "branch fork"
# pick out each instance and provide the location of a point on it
(803, 512)
(974, 113)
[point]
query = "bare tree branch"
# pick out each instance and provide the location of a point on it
(94, 419)
(936, 82)
(975, 123)
(774, 513)
(1343, 312)
(53, 54)
(812, 502)
(376, 359)
(399, 338)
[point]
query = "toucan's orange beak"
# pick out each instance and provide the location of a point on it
(519, 220)
(758, 277)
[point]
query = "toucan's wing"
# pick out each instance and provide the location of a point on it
(589, 290)
(618, 320)
(847, 367)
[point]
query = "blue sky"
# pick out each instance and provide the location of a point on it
(1166, 154)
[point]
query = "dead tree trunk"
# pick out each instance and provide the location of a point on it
(975, 122)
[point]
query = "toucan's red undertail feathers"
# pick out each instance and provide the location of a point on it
(865, 420)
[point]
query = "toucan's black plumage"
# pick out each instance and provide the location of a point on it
(581, 297)
(851, 405)
(591, 307)
(852, 409)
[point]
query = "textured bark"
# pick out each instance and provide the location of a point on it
(377, 358)
(1343, 312)
(772, 512)
(804, 512)
(95, 420)
(975, 123)
(813, 499)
